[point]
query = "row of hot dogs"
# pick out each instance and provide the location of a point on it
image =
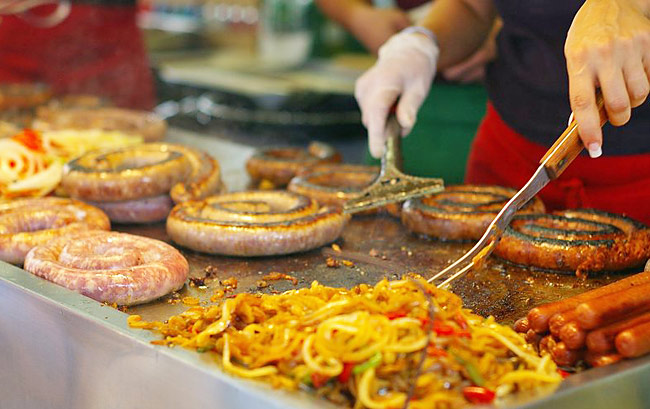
(601, 326)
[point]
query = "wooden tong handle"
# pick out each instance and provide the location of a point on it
(568, 146)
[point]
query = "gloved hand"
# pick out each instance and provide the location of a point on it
(406, 66)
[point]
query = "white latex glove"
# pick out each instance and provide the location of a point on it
(406, 66)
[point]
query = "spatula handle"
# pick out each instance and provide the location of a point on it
(392, 159)
(569, 145)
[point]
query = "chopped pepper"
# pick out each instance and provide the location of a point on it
(345, 374)
(472, 371)
(374, 361)
(478, 394)
(318, 380)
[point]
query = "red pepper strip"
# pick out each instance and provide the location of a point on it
(345, 374)
(478, 394)
(30, 139)
(319, 380)
(443, 329)
(396, 314)
(435, 352)
(563, 374)
(461, 321)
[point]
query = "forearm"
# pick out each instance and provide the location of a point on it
(341, 10)
(461, 27)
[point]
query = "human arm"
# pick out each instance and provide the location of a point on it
(608, 47)
(408, 61)
(370, 25)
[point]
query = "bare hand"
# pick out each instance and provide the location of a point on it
(608, 46)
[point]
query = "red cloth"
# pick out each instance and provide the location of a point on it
(96, 50)
(619, 184)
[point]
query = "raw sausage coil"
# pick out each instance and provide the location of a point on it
(461, 212)
(577, 241)
(147, 210)
(280, 165)
(254, 223)
(110, 267)
(26, 223)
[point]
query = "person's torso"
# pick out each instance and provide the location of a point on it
(528, 82)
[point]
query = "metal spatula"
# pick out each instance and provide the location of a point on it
(565, 149)
(392, 185)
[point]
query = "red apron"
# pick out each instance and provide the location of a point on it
(619, 184)
(96, 50)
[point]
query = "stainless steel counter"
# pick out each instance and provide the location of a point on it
(59, 349)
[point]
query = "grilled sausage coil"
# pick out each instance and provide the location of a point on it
(461, 212)
(280, 165)
(130, 182)
(27, 223)
(579, 241)
(254, 223)
(145, 124)
(335, 186)
(110, 267)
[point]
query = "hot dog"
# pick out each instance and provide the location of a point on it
(601, 340)
(634, 341)
(572, 335)
(540, 316)
(601, 311)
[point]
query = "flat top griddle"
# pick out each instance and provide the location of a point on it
(501, 289)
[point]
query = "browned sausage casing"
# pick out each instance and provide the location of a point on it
(130, 183)
(145, 124)
(634, 341)
(280, 165)
(254, 223)
(460, 212)
(579, 241)
(601, 340)
(27, 223)
(539, 317)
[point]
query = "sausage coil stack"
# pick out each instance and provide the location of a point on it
(578, 241)
(255, 223)
(110, 267)
(140, 184)
(460, 212)
(601, 326)
(26, 223)
(279, 165)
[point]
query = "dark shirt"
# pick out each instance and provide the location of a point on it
(528, 82)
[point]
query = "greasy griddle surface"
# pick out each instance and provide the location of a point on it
(499, 288)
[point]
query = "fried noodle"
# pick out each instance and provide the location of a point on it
(362, 347)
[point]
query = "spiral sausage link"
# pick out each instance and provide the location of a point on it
(110, 267)
(27, 223)
(279, 165)
(254, 223)
(130, 182)
(142, 123)
(335, 186)
(461, 212)
(581, 241)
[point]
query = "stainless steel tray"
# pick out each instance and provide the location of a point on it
(59, 349)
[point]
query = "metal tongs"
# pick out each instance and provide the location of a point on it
(567, 147)
(392, 185)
